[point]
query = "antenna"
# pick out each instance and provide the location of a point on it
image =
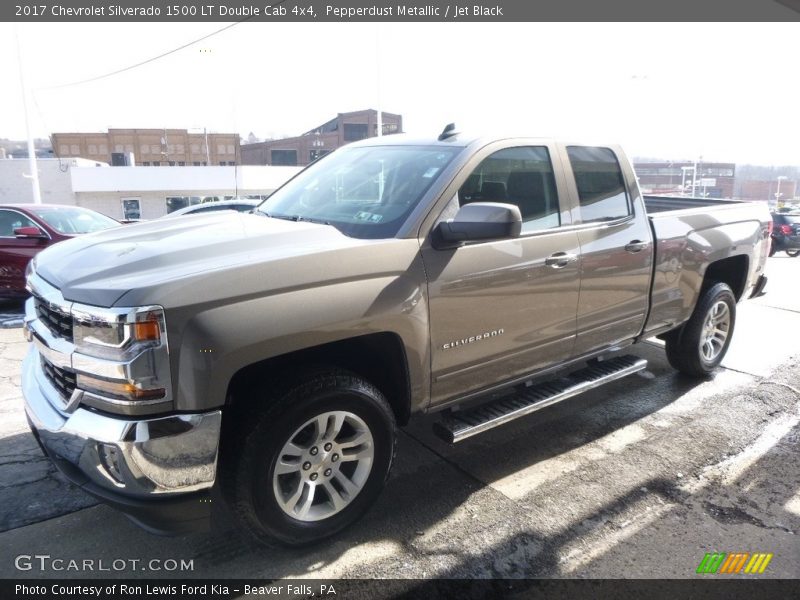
(448, 132)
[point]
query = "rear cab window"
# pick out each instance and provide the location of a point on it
(600, 183)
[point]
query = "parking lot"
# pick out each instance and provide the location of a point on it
(639, 478)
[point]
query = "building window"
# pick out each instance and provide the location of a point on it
(315, 154)
(177, 202)
(601, 188)
(284, 158)
(181, 163)
(355, 131)
(230, 149)
(156, 163)
(75, 149)
(92, 149)
(231, 163)
(146, 163)
(196, 163)
(222, 163)
(63, 149)
(131, 208)
(220, 148)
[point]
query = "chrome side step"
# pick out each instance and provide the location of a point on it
(460, 425)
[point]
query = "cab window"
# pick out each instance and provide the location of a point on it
(521, 176)
(601, 188)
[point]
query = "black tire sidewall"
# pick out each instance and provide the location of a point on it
(691, 339)
(260, 455)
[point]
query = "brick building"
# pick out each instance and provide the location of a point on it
(152, 147)
(769, 190)
(715, 180)
(304, 149)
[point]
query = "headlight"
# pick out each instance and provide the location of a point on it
(132, 343)
(117, 334)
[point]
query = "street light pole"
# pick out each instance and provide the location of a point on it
(34, 174)
(778, 190)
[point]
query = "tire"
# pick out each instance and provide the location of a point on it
(793, 252)
(313, 462)
(698, 347)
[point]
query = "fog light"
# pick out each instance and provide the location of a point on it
(109, 459)
(118, 389)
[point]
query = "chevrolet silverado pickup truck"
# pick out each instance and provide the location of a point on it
(266, 359)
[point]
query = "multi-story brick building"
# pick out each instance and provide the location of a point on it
(152, 147)
(304, 149)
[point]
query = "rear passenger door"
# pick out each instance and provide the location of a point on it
(502, 309)
(616, 248)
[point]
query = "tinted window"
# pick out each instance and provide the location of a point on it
(521, 176)
(287, 158)
(11, 220)
(601, 188)
(355, 131)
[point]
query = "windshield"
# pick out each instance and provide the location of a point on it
(365, 192)
(73, 220)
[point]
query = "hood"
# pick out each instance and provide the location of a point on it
(99, 268)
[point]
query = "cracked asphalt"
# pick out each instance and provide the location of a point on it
(637, 479)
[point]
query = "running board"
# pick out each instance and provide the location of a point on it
(460, 425)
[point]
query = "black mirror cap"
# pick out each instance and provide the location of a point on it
(479, 221)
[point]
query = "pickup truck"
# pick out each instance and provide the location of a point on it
(266, 359)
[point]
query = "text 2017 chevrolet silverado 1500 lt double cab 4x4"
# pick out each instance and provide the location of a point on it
(270, 355)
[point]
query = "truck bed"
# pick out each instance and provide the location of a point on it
(659, 204)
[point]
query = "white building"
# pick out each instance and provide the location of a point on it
(135, 192)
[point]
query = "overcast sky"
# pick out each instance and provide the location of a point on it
(727, 92)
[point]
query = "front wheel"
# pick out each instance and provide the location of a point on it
(793, 252)
(699, 346)
(314, 461)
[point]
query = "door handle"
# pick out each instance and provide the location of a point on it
(560, 260)
(636, 246)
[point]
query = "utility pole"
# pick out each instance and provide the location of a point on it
(378, 76)
(34, 174)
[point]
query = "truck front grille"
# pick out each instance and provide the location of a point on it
(57, 321)
(64, 381)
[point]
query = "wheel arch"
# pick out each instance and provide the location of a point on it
(380, 358)
(732, 271)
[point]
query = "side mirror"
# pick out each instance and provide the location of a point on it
(479, 221)
(29, 232)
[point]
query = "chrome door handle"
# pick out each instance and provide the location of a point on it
(560, 259)
(635, 246)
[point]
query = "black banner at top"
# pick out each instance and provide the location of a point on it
(399, 11)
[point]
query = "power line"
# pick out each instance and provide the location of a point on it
(154, 58)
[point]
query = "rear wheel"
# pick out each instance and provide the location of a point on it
(699, 346)
(313, 462)
(793, 251)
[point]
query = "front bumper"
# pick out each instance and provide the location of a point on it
(158, 471)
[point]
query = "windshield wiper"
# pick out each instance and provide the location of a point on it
(295, 218)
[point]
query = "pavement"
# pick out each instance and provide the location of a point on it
(638, 479)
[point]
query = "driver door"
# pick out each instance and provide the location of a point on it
(502, 309)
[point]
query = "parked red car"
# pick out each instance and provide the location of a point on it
(27, 229)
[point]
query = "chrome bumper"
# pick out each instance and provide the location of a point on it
(143, 458)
